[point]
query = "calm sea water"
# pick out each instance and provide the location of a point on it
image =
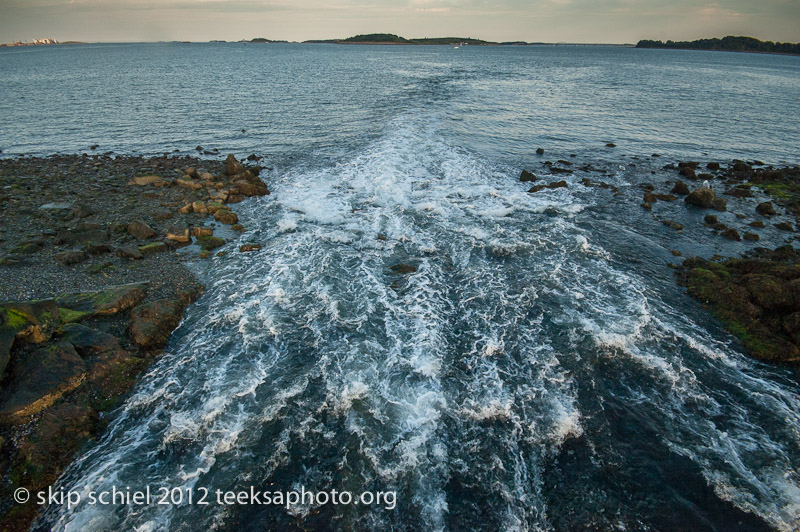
(540, 370)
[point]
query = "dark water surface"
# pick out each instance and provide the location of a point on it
(540, 370)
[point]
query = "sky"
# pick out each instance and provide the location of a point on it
(584, 21)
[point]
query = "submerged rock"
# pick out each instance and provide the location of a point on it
(403, 268)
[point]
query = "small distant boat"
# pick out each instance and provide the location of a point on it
(455, 47)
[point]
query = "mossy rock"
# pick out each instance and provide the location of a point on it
(152, 248)
(103, 302)
(33, 321)
(210, 242)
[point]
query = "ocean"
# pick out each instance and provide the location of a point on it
(540, 369)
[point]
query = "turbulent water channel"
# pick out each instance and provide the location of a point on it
(536, 369)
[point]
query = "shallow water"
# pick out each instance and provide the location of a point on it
(539, 371)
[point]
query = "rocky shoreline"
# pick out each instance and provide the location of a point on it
(92, 284)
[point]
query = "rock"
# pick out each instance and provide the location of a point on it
(129, 252)
(186, 209)
(239, 228)
(673, 225)
(757, 224)
(225, 216)
(205, 176)
(701, 197)
(88, 341)
(539, 151)
(712, 166)
(235, 198)
(199, 207)
(109, 301)
(768, 292)
(202, 231)
(688, 172)
(650, 198)
(210, 242)
(154, 247)
(58, 209)
(146, 180)
(82, 211)
(403, 268)
(784, 226)
(766, 209)
(711, 219)
(680, 188)
(7, 335)
(232, 166)
(191, 172)
(741, 167)
(249, 247)
(647, 206)
(676, 253)
(140, 230)
(40, 378)
(610, 145)
(740, 191)
(31, 321)
(666, 197)
(213, 206)
(69, 257)
(753, 237)
(188, 183)
(527, 176)
(27, 247)
(153, 322)
(247, 188)
(178, 234)
(732, 234)
(688, 164)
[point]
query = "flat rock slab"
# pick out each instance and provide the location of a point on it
(41, 377)
(153, 322)
(104, 302)
(88, 341)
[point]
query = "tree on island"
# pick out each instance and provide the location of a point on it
(728, 44)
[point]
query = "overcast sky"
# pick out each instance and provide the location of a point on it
(608, 21)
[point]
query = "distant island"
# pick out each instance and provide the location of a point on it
(390, 38)
(727, 44)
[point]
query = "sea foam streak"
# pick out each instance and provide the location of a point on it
(311, 362)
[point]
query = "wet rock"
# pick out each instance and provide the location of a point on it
(758, 224)
(666, 197)
(752, 237)
(672, 224)
(527, 176)
(247, 188)
(186, 209)
(226, 216)
(740, 191)
(70, 257)
(88, 341)
(191, 172)
(202, 231)
(199, 207)
(109, 301)
(741, 167)
(140, 230)
(249, 247)
(713, 166)
(210, 242)
(647, 206)
(232, 166)
(239, 228)
(610, 145)
(539, 151)
(688, 172)
(403, 268)
(188, 183)
(680, 188)
(213, 206)
(766, 209)
(705, 198)
(732, 234)
(40, 378)
(178, 234)
(711, 219)
(785, 226)
(31, 321)
(154, 247)
(688, 164)
(153, 322)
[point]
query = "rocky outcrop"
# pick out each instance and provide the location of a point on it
(705, 198)
(153, 322)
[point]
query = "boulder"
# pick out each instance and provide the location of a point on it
(88, 341)
(129, 252)
(247, 188)
(40, 378)
(202, 231)
(188, 183)
(226, 216)
(210, 242)
(688, 172)
(705, 198)
(153, 322)
(713, 166)
(76, 237)
(31, 321)
(232, 166)
(711, 219)
(527, 176)
(106, 302)
(672, 224)
(178, 234)
(732, 234)
(199, 207)
(766, 209)
(680, 188)
(72, 256)
(140, 230)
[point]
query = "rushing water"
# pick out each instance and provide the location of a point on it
(539, 371)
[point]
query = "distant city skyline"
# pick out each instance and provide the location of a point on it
(588, 21)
